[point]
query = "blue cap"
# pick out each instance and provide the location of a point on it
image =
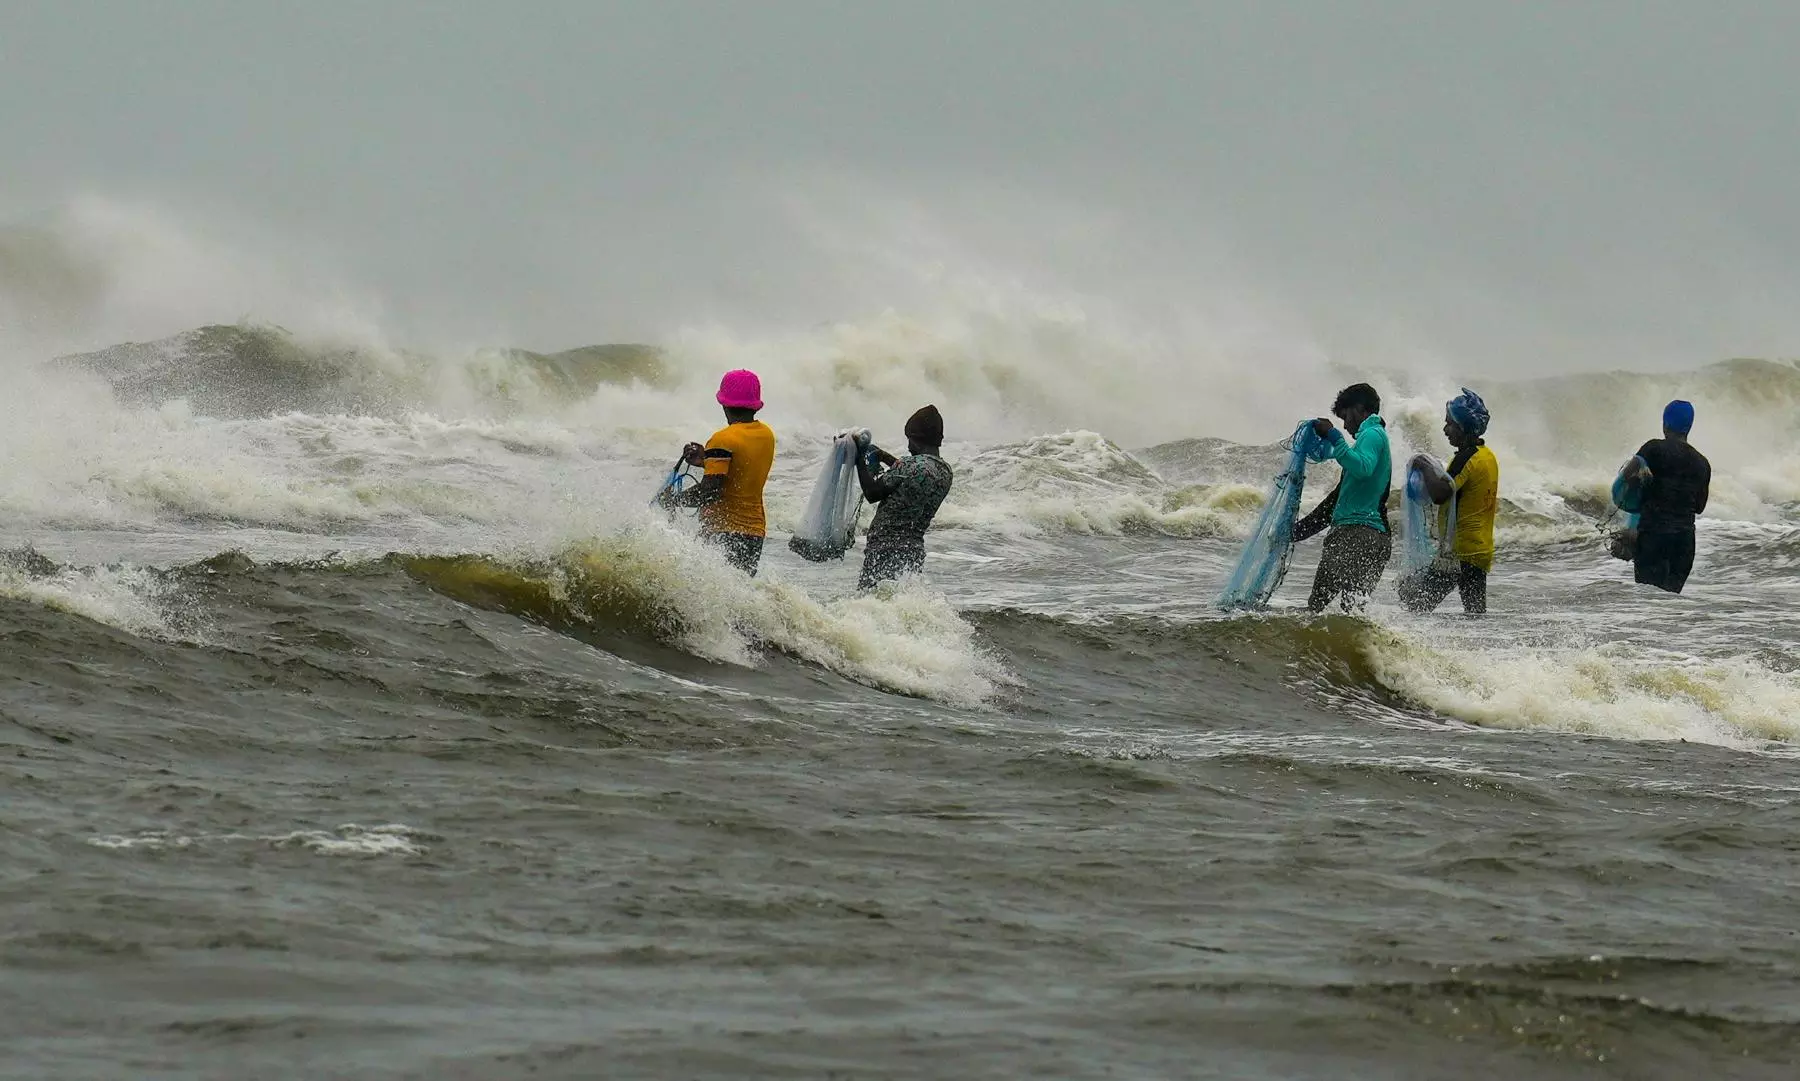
(1679, 416)
(1469, 412)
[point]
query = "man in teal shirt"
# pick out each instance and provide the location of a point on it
(1358, 547)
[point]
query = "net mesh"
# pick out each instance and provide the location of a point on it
(828, 528)
(1264, 561)
(1420, 543)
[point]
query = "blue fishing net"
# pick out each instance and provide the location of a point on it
(1420, 541)
(1628, 496)
(1264, 561)
(672, 485)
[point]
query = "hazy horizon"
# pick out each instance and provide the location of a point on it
(1466, 187)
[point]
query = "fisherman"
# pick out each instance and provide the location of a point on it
(1358, 547)
(1675, 479)
(1473, 481)
(909, 491)
(736, 460)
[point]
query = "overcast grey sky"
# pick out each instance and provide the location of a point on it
(1539, 185)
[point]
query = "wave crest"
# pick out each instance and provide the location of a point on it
(652, 583)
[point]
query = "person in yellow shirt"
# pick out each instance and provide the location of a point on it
(1470, 486)
(736, 460)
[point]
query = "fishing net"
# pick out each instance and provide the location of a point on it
(828, 528)
(678, 479)
(1421, 544)
(1264, 561)
(1628, 496)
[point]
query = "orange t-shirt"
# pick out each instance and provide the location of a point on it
(743, 454)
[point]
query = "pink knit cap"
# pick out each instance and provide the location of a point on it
(740, 389)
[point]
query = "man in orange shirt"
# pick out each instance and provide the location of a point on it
(737, 460)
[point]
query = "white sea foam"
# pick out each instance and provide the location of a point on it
(1005, 363)
(1609, 690)
(349, 839)
(134, 599)
(905, 638)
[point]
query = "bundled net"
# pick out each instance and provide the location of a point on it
(1264, 561)
(828, 528)
(1628, 497)
(1422, 543)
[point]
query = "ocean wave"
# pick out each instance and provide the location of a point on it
(256, 370)
(1624, 1016)
(1606, 690)
(1393, 673)
(653, 582)
(139, 600)
(1081, 482)
(348, 839)
(647, 585)
(80, 464)
(243, 423)
(1268, 651)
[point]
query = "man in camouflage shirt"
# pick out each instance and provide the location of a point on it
(909, 492)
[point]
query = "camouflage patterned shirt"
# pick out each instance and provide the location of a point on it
(916, 486)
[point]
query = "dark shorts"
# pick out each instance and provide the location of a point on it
(886, 564)
(1664, 560)
(741, 550)
(1422, 591)
(1354, 557)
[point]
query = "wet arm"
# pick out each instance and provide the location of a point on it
(1438, 484)
(1320, 517)
(707, 491)
(875, 488)
(712, 487)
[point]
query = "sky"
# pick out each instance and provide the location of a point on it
(1530, 188)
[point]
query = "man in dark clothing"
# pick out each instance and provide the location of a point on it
(909, 492)
(1675, 479)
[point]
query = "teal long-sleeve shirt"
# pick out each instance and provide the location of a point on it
(1368, 467)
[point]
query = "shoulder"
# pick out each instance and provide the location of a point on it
(741, 437)
(1480, 466)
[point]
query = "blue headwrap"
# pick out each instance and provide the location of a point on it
(1679, 416)
(1469, 412)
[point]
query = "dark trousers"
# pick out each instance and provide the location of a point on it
(741, 550)
(1664, 560)
(885, 564)
(1349, 567)
(1422, 591)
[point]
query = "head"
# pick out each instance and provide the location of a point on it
(740, 393)
(1356, 404)
(1678, 419)
(1465, 419)
(925, 431)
